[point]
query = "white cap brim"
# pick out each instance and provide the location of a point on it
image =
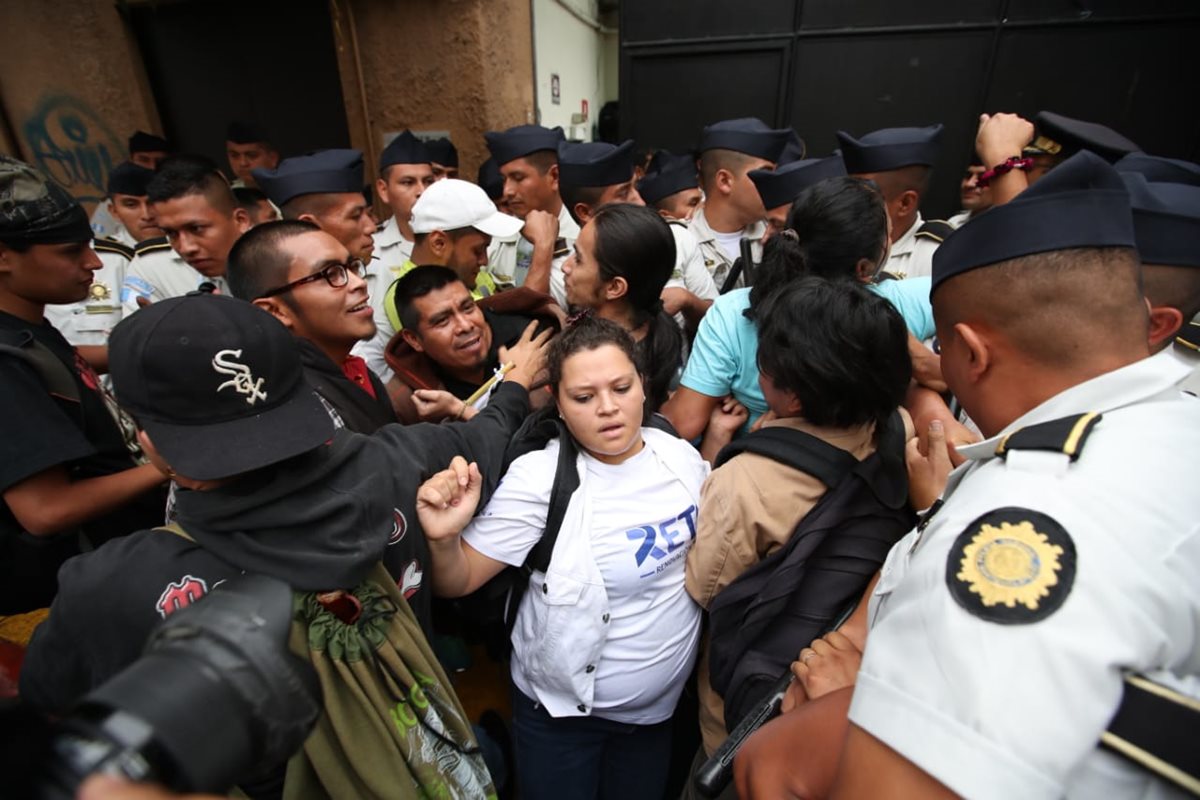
(499, 225)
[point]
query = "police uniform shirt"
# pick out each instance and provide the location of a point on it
(689, 272)
(91, 320)
(715, 259)
(911, 255)
(508, 259)
(122, 236)
(158, 272)
(392, 252)
(1000, 633)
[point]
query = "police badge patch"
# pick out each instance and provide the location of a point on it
(1012, 566)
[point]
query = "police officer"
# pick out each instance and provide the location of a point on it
(248, 148)
(145, 150)
(87, 323)
(405, 172)
(201, 220)
(899, 161)
(1035, 599)
(732, 210)
(1166, 222)
(527, 157)
(444, 158)
(671, 186)
(780, 187)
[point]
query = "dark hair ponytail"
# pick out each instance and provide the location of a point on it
(636, 244)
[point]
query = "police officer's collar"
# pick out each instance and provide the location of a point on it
(1122, 387)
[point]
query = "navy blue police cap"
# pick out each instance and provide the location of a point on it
(668, 174)
(595, 163)
(240, 132)
(1080, 203)
(794, 150)
(518, 142)
(1063, 136)
(142, 142)
(890, 148)
(404, 149)
(748, 135)
(325, 171)
(490, 179)
(1157, 169)
(442, 151)
(128, 178)
(1166, 221)
(784, 184)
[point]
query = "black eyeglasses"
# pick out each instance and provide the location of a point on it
(336, 275)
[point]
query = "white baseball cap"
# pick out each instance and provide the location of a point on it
(450, 204)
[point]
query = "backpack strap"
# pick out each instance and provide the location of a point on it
(796, 449)
(55, 375)
(566, 481)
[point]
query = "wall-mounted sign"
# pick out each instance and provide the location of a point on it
(555, 93)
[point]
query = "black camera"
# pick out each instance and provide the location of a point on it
(215, 699)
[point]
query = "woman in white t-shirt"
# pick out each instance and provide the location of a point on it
(605, 639)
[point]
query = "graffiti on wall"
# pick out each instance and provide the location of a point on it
(70, 142)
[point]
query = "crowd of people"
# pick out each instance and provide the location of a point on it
(669, 427)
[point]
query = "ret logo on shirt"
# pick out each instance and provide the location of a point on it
(180, 594)
(662, 541)
(399, 527)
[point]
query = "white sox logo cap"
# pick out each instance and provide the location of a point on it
(216, 383)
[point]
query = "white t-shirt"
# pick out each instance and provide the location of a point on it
(642, 524)
(731, 243)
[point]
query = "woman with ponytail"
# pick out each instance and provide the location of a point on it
(837, 229)
(623, 258)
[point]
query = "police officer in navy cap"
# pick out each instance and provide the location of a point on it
(1158, 169)
(88, 322)
(1166, 222)
(1058, 138)
(671, 186)
(248, 148)
(733, 211)
(527, 156)
(492, 182)
(1043, 330)
(593, 174)
(444, 158)
(146, 149)
(780, 187)
(324, 188)
(405, 172)
(899, 161)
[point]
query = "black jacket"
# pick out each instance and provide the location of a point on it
(318, 521)
(359, 411)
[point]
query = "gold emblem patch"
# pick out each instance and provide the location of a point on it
(99, 291)
(1012, 565)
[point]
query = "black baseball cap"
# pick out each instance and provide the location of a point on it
(217, 384)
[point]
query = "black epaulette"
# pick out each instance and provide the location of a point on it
(1155, 727)
(1189, 336)
(936, 229)
(1065, 435)
(152, 246)
(679, 222)
(884, 275)
(561, 248)
(112, 246)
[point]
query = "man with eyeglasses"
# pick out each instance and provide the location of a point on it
(308, 281)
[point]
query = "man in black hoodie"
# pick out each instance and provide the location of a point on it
(267, 484)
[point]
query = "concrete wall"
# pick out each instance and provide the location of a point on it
(462, 66)
(574, 49)
(72, 90)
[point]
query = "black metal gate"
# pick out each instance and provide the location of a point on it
(859, 65)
